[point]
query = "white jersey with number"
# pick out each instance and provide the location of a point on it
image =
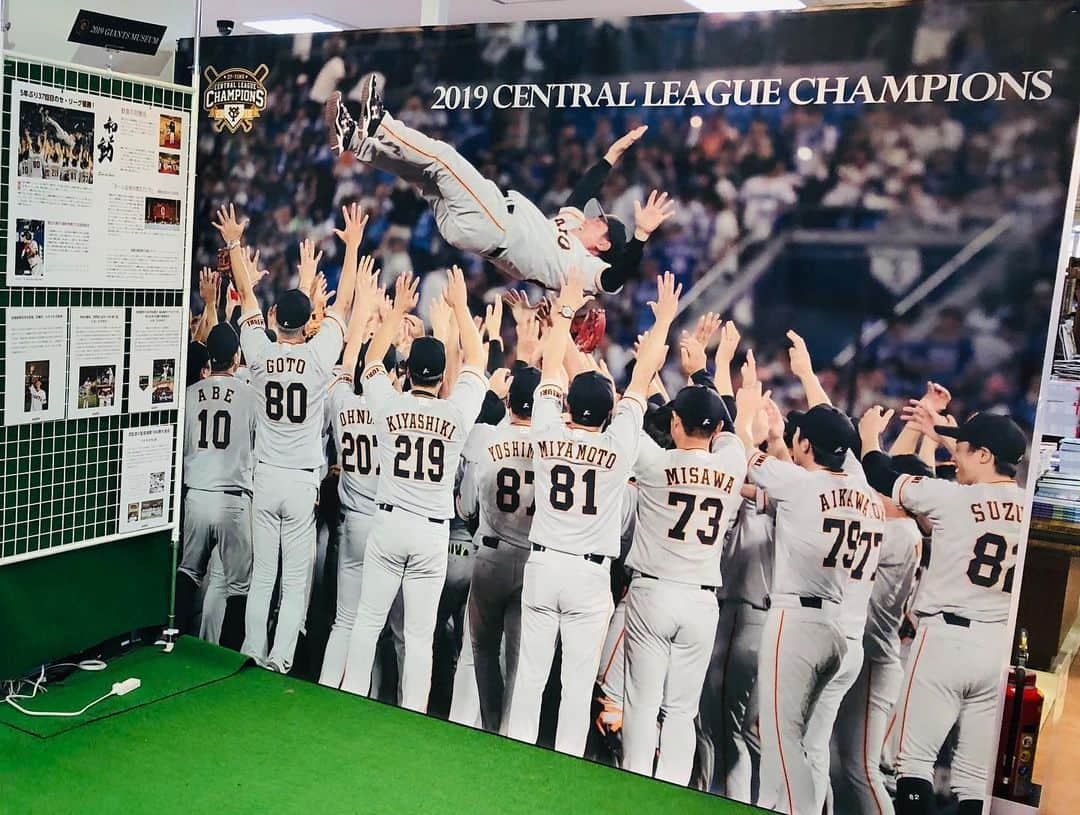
(219, 434)
(976, 533)
(37, 165)
(291, 380)
(747, 560)
(420, 440)
(353, 428)
(893, 583)
(581, 475)
(498, 481)
(543, 250)
(827, 525)
(52, 170)
(686, 500)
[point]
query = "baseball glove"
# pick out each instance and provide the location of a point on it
(588, 329)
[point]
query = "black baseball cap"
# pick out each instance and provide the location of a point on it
(590, 399)
(293, 309)
(993, 431)
(524, 384)
(790, 424)
(827, 429)
(222, 344)
(616, 229)
(427, 360)
(699, 408)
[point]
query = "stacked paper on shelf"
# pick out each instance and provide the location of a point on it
(1060, 405)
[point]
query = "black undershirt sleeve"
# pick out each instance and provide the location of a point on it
(493, 409)
(879, 472)
(589, 185)
(629, 263)
(496, 356)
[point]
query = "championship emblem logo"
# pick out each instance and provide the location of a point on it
(234, 97)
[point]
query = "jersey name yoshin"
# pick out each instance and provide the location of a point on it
(845, 498)
(997, 511)
(397, 422)
(703, 476)
(577, 451)
(510, 449)
(217, 393)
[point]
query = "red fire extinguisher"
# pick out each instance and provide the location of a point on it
(1019, 732)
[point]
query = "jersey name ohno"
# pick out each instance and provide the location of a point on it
(577, 451)
(281, 365)
(355, 416)
(397, 422)
(700, 475)
(217, 394)
(997, 511)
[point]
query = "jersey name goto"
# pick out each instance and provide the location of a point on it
(291, 381)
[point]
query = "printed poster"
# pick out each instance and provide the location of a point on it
(144, 477)
(157, 335)
(96, 191)
(36, 355)
(96, 363)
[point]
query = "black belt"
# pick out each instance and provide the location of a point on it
(490, 542)
(810, 602)
(955, 619)
(592, 558)
(236, 493)
(654, 577)
(390, 508)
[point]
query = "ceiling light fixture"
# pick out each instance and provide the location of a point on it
(737, 6)
(295, 25)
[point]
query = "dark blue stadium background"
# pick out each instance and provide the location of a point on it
(805, 198)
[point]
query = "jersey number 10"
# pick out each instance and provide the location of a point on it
(218, 426)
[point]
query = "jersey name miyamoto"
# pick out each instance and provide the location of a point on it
(976, 532)
(291, 381)
(219, 429)
(580, 476)
(827, 525)
(420, 440)
(543, 250)
(499, 476)
(353, 428)
(686, 501)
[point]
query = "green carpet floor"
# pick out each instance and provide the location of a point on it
(192, 663)
(256, 742)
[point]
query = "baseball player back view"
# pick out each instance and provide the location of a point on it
(219, 460)
(827, 522)
(420, 438)
(499, 482)
(290, 377)
(686, 500)
(962, 604)
(580, 475)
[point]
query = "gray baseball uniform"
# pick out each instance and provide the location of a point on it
(420, 440)
(498, 488)
(473, 214)
(859, 734)
(353, 430)
(290, 380)
(575, 532)
(686, 500)
(219, 461)
(962, 603)
(826, 524)
(732, 747)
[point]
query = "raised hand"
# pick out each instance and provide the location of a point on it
(666, 304)
(309, 266)
(873, 423)
(493, 319)
(227, 224)
(707, 326)
(519, 305)
(691, 353)
(748, 400)
(355, 222)
(775, 419)
(729, 344)
(406, 293)
(499, 382)
(209, 285)
(936, 398)
(648, 218)
(320, 295)
(749, 369)
(440, 316)
(528, 341)
(456, 292)
(624, 143)
(801, 364)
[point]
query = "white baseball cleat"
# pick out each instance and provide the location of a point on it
(345, 132)
(340, 126)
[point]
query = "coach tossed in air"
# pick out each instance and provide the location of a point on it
(474, 215)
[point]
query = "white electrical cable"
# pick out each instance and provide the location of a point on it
(118, 689)
(38, 685)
